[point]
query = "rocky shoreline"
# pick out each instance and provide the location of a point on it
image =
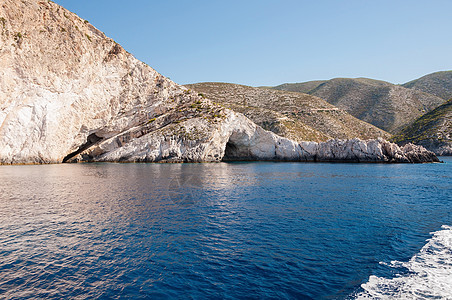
(379, 150)
(236, 138)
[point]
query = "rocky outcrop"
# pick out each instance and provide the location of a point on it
(356, 150)
(439, 147)
(68, 93)
(237, 138)
(65, 86)
(234, 137)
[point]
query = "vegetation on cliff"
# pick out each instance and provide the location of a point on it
(293, 115)
(432, 130)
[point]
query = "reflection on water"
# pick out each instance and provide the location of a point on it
(212, 230)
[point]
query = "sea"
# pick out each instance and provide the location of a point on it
(248, 230)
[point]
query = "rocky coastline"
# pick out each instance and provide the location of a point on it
(75, 95)
(239, 139)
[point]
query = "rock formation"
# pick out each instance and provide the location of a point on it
(356, 150)
(68, 93)
(65, 86)
(296, 116)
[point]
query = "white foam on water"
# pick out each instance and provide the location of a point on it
(429, 276)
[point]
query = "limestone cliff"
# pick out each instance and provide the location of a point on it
(65, 86)
(68, 93)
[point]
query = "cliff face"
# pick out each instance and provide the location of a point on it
(297, 116)
(68, 93)
(64, 87)
(63, 80)
(432, 130)
(194, 140)
(385, 105)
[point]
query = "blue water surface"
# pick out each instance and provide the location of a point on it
(217, 230)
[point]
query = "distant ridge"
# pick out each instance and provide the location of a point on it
(302, 87)
(438, 84)
(383, 104)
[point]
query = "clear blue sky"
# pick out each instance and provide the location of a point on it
(263, 42)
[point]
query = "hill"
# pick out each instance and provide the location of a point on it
(432, 130)
(385, 105)
(293, 115)
(438, 84)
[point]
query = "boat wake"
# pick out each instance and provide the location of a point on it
(429, 273)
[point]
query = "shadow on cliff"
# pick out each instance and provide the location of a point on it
(90, 141)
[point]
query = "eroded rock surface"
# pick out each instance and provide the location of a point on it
(356, 150)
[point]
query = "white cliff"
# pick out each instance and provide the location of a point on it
(68, 93)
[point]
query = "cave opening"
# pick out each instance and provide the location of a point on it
(237, 150)
(91, 140)
(230, 152)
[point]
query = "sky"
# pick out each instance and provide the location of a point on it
(269, 42)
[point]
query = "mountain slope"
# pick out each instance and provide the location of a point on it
(433, 130)
(293, 115)
(438, 84)
(385, 105)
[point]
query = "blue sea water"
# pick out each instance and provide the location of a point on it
(218, 230)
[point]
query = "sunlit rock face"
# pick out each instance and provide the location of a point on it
(64, 85)
(196, 140)
(356, 150)
(68, 93)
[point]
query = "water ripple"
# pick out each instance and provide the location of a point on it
(248, 230)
